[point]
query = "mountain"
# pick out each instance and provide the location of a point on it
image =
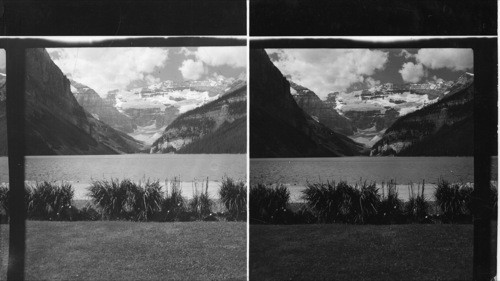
(154, 107)
(279, 127)
(55, 123)
(216, 127)
(103, 110)
(444, 128)
(3, 115)
(372, 110)
(321, 111)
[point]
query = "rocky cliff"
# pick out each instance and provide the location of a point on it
(216, 127)
(54, 121)
(322, 111)
(279, 127)
(101, 109)
(3, 116)
(444, 128)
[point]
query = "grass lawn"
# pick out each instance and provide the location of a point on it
(361, 252)
(113, 250)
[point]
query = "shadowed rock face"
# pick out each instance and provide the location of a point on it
(279, 127)
(323, 112)
(445, 128)
(56, 123)
(3, 117)
(103, 109)
(206, 128)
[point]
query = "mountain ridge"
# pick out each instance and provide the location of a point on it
(279, 127)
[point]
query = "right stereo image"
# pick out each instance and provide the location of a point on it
(367, 162)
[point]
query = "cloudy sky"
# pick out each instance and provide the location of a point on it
(330, 70)
(106, 69)
(2, 61)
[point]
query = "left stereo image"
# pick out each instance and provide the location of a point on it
(134, 159)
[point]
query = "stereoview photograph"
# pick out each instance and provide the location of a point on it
(362, 164)
(135, 163)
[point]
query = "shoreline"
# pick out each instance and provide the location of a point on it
(188, 188)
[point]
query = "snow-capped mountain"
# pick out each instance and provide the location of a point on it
(373, 110)
(152, 108)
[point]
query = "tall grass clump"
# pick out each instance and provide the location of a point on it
(110, 197)
(234, 197)
(126, 200)
(342, 202)
(174, 205)
(454, 200)
(391, 207)
(4, 203)
(268, 204)
(48, 201)
(417, 206)
(147, 199)
(201, 204)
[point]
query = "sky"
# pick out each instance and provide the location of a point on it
(2, 61)
(107, 69)
(339, 70)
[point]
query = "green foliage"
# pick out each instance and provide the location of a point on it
(48, 201)
(342, 202)
(228, 138)
(126, 200)
(391, 207)
(201, 204)
(174, 205)
(453, 200)
(4, 203)
(268, 204)
(234, 197)
(88, 213)
(417, 206)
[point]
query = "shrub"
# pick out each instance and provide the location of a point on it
(391, 207)
(126, 200)
(201, 204)
(4, 203)
(416, 207)
(109, 197)
(147, 199)
(47, 201)
(342, 202)
(174, 205)
(453, 200)
(234, 197)
(88, 213)
(269, 204)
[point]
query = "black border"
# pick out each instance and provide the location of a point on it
(15, 68)
(123, 17)
(372, 17)
(485, 119)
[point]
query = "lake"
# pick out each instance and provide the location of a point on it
(296, 172)
(82, 169)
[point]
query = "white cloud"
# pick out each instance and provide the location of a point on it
(192, 70)
(329, 70)
(370, 82)
(105, 69)
(185, 51)
(411, 72)
(406, 54)
(150, 79)
(2, 60)
(453, 59)
(217, 56)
